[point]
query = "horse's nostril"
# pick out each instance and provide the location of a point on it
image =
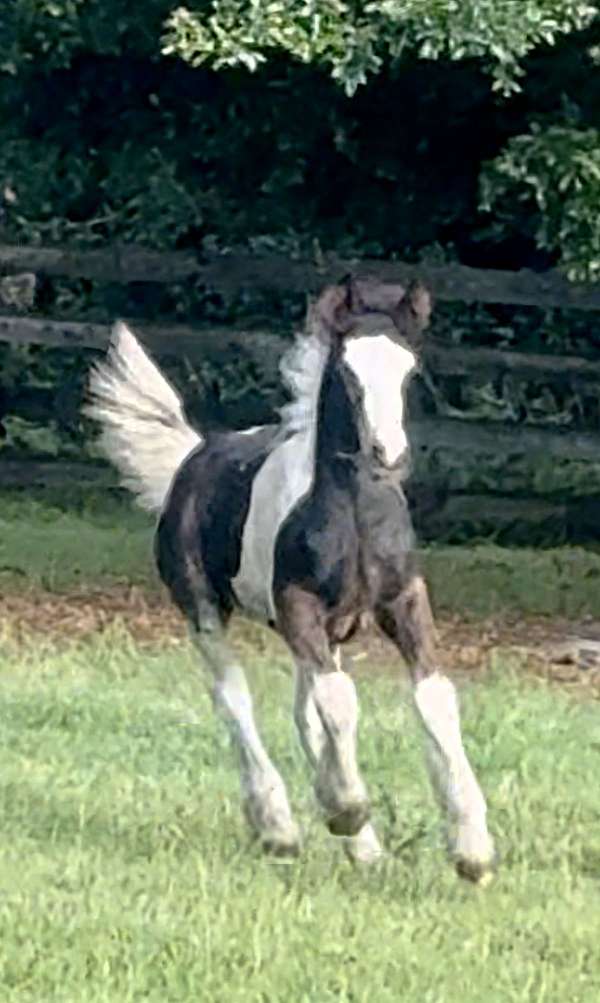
(379, 453)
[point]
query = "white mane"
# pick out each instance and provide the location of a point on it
(301, 369)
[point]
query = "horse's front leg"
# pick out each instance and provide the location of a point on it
(265, 799)
(408, 621)
(326, 713)
(364, 847)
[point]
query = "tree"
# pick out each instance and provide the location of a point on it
(353, 39)
(550, 175)
(549, 179)
(160, 161)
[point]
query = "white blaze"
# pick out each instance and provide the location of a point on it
(382, 366)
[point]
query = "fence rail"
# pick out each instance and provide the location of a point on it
(212, 340)
(237, 270)
(179, 339)
(441, 445)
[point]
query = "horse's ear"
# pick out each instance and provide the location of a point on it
(335, 306)
(420, 301)
(355, 295)
(413, 312)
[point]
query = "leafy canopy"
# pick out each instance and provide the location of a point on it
(353, 38)
(553, 175)
(550, 176)
(544, 183)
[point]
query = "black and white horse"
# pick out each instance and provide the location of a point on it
(304, 526)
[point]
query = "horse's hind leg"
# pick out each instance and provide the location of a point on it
(265, 798)
(326, 713)
(408, 621)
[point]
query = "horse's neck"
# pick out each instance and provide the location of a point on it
(340, 434)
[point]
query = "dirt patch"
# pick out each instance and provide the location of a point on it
(564, 651)
(76, 615)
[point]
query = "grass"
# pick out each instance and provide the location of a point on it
(126, 872)
(60, 544)
(58, 548)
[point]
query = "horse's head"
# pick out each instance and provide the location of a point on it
(357, 307)
(377, 330)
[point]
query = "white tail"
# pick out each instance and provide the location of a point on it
(144, 430)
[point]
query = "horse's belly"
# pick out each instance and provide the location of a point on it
(284, 478)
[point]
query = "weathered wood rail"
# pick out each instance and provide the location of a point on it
(442, 447)
(238, 269)
(212, 340)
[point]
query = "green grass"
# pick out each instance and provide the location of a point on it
(97, 540)
(49, 545)
(126, 872)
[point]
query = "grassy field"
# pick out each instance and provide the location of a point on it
(126, 871)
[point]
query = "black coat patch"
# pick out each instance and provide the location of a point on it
(199, 534)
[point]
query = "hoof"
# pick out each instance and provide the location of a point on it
(364, 848)
(365, 858)
(272, 824)
(281, 844)
(478, 872)
(349, 821)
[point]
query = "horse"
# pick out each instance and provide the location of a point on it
(304, 526)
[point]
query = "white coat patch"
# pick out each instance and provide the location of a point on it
(284, 478)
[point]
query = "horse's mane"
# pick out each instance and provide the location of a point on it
(301, 369)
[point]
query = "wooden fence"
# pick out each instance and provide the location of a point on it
(458, 443)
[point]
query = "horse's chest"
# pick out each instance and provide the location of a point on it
(345, 544)
(385, 535)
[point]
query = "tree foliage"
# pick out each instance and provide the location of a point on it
(104, 138)
(136, 148)
(551, 173)
(354, 39)
(46, 35)
(549, 181)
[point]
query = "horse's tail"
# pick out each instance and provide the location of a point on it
(144, 430)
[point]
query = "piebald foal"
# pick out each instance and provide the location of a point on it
(304, 526)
